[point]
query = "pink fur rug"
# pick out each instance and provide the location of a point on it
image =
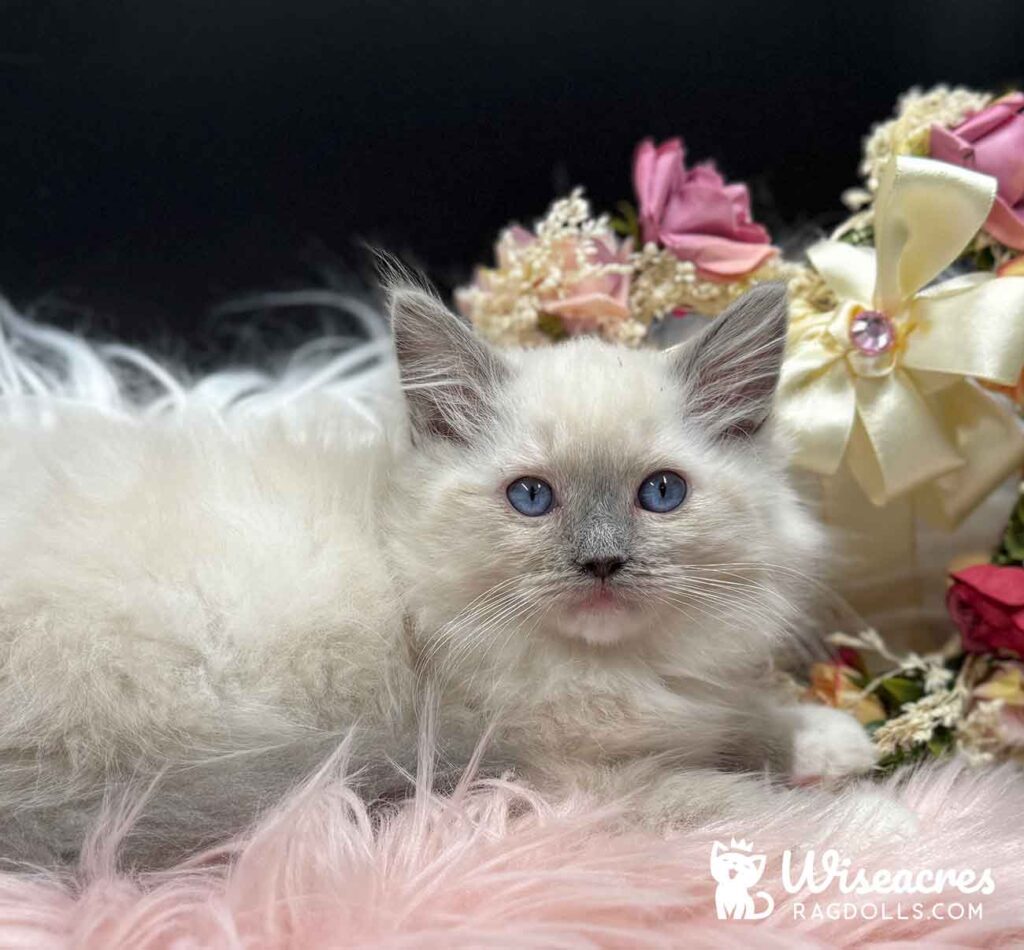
(495, 866)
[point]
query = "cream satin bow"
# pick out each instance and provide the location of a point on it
(883, 383)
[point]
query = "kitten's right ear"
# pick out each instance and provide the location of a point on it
(449, 375)
(731, 369)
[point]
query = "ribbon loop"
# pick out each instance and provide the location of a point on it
(943, 342)
(925, 214)
(907, 420)
(849, 271)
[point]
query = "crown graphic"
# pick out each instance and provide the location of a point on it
(741, 845)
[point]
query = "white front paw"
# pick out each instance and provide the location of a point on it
(828, 744)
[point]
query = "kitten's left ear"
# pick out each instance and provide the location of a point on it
(448, 373)
(730, 371)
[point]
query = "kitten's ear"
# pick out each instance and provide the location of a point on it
(448, 373)
(717, 849)
(758, 864)
(730, 371)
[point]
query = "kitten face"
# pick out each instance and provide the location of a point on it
(594, 422)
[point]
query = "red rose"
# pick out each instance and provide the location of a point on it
(987, 603)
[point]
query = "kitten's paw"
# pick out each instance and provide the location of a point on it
(828, 744)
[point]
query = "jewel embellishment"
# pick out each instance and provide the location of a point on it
(872, 332)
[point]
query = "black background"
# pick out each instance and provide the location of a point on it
(158, 157)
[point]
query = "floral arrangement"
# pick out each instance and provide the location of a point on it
(967, 697)
(888, 375)
(689, 242)
(902, 383)
(962, 127)
(689, 245)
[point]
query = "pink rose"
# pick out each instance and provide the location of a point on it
(695, 214)
(583, 300)
(992, 141)
(986, 603)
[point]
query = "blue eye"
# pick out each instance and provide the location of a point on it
(662, 492)
(530, 496)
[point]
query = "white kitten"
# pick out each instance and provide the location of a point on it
(591, 551)
(592, 628)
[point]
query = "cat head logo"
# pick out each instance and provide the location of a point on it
(736, 869)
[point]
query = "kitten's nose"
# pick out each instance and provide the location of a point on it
(602, 567)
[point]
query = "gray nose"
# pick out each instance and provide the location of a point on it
(602, 567)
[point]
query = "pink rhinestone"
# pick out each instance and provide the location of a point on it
(872, 332)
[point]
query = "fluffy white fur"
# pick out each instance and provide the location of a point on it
(207, 599)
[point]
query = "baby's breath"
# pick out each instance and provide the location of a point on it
(907, 133)
(663, 284)
(918, 720)
(978, 737)
(506, 303)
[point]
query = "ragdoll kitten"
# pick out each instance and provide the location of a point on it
(589, 551)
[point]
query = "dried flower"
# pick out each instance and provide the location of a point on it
(1004, 684)
(663, 284)
(841, 687)
(919, 720)
(569, 276)
(908, 133)
(809, 296)
(695, 214)
(994, 725)
(992, 142)
(978, 736)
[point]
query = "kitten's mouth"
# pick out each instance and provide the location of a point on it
(601, 597)
(602, 613)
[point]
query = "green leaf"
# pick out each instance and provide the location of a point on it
(1014, 547)
(1011, 551)
(940, 742)
(902, 689)
(860, 236)
(895, 760)
(983, 259)
(626, 223)
(551, 324)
